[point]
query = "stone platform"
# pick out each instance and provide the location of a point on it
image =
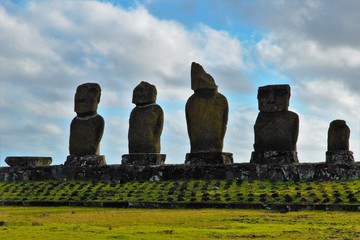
(237, 171)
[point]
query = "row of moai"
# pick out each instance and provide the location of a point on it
(276, 128)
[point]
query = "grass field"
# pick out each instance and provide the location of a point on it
(215, 191)
(104, 223)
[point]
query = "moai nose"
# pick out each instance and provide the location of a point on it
(271, 98)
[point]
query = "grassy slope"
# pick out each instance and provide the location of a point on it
(111, 223)
(219, 191)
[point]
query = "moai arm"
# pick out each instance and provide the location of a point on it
(100, 132)
(296, 131)
(225, 119)
(160, 123)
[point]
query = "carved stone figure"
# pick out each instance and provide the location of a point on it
(276, 128)
(206, 117)
(338, 144)
(145, 128)
(86, 128)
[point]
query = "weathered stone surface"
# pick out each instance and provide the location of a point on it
(87, 127)
(146, 121)
(239, 171)
(203, 158)
(338, 136)
(206, 114)
(143, 159)
(274, 157)
(15, 161)
(276, 129)
(340, 157)
(86, 160)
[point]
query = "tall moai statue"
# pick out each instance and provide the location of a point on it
(276, 128)
(338, 144)
(145, 128)
(86, 129)
(206, 117)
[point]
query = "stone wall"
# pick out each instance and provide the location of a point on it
(243, 171)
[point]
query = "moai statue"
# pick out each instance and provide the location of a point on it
(206, 117)
(276, 128)
(145, 127)
(86, 128)
(338, 144)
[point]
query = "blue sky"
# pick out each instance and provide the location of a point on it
(48, 48)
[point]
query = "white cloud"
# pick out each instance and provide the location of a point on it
(48, 48)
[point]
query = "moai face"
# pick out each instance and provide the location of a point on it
(144, 94)
(274, 98)
(200, 79)
(87, 97)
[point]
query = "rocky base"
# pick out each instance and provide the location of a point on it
(237, 171)
(143, 159)
(209, 158)
(340, 157)
(87, 160)
(28, 161)
(274, 157)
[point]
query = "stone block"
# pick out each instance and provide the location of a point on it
(87, 160)
(339, 157)
(205, 158)
(143, 159)
(274, 157)
(28, 161)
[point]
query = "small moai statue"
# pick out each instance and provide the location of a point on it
(276, 128)
(206, 117)
(86, 129)
(145, 128)
(338, 144)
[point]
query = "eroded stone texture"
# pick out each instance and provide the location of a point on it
(87, 127)
(143, 159)
(206, 114)
(276, 128)
(28, 161)
(145, 127)
(338, 143)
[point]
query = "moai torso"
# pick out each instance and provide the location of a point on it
(276, 131)
(206, 113)
(146, 121)
(338, 136)
(87, 127)
(276, 128)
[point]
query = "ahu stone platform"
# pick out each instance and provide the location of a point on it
(242, 171)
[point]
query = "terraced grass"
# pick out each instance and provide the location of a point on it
(114, 223)
(214, 191)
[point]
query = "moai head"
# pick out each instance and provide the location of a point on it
(338, 136)
(86, 99)
(274, 98)
(144, 94)
(201, 79)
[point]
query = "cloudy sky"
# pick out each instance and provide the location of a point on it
(48, 48)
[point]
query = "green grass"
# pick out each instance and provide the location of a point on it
(214, 191)
(111, 223)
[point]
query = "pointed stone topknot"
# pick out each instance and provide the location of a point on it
(201, 79)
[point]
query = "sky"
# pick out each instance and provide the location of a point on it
(48, 48)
